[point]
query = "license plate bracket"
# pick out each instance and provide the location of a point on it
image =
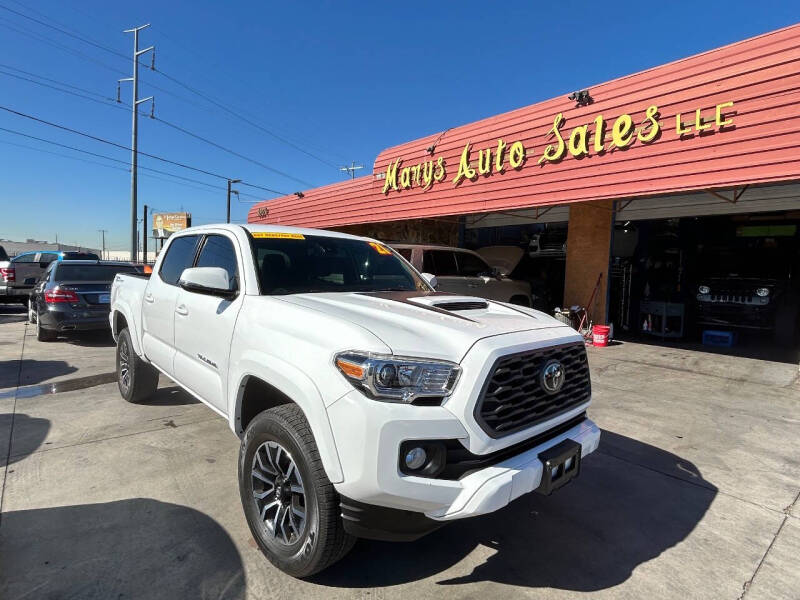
(560, 465)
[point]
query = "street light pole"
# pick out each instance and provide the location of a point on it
(230, 191)
(144, 236)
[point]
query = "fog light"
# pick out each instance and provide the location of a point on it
(416, 458)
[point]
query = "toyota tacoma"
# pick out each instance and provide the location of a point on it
(367, 403)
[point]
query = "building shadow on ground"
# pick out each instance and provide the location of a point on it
(35, 432)
(13, 313)
(631, 502)
(137, 548)
(32, 371)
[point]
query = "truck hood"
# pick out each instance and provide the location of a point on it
(429, 324)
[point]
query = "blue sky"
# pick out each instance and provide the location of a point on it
(340, 80)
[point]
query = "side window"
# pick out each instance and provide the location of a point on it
(470, 265)
(180, 255)
(218, 251)
(441, 263)
(28, 258)
(47, 257)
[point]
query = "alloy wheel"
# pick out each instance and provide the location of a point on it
(278, 493)
(124, 365)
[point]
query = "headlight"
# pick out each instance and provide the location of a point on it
(704, 289)
(763, 292)
(396, 378)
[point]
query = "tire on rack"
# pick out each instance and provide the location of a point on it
(42, 334)
(136, 380)
(291, 507)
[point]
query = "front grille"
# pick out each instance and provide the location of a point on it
(513, 398)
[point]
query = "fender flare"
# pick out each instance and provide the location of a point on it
(298, 386)
(123, 309)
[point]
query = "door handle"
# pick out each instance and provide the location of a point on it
(181, 310)
(472, 285)
(149, 298)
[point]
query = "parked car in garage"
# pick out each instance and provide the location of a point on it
(751, 283)
(25, 269)
(73, 295)
(462, 271)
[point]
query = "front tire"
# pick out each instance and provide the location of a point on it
(291, 506)
(136, 380)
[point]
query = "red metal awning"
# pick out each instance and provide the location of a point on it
(757, 143)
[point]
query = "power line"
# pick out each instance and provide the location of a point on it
(163, 74)
(64, 31)
(233, 152)
(125, 106)
(123, 147)
(116, 160)
(245, 119)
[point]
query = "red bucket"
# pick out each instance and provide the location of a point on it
(600, 335)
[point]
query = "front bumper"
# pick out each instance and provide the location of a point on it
(370, 459)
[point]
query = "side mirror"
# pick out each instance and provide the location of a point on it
(431, 279)
(210, 281)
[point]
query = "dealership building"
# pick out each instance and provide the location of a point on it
(680, 178)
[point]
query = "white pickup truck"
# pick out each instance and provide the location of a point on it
(368, 404)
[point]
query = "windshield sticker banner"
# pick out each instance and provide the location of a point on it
(277, 235)
(597, 137)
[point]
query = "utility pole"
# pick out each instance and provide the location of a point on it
(351, 170)
(135, 126)
(230, 191)
(103, 251)
(144, 236)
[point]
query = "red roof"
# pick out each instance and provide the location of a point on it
(761, 76)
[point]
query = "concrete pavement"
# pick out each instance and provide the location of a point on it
(692, 494)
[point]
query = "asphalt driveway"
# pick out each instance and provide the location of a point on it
(693, 493)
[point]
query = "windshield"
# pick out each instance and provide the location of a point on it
(67, 272)
(296, 264)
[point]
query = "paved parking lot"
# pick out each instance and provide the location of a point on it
(693, 493)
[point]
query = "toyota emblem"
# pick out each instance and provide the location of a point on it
(552, 377)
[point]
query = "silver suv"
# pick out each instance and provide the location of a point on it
(461, 271)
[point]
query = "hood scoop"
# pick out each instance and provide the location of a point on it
(462, 305)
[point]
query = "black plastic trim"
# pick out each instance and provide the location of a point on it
(386, 524)
(462, 462)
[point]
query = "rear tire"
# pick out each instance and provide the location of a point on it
(42, 334)
(136, 380)
(281, 436)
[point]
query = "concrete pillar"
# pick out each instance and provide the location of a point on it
(588, 249)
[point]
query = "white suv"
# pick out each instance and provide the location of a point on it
(461, 271)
